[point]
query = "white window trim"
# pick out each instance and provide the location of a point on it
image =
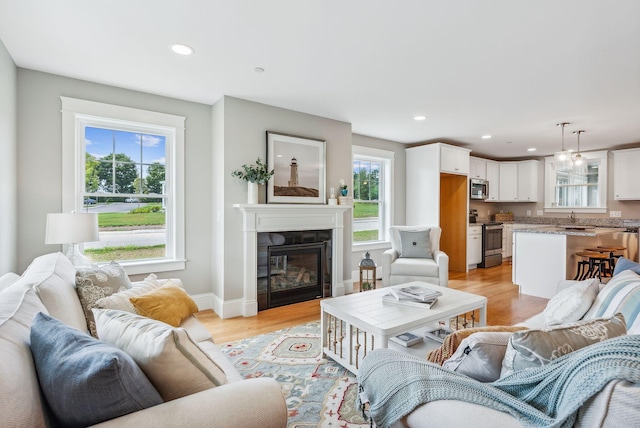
(74, 111)
(387, 158)
(550, 179)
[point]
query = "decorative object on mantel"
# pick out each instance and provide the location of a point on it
(332, 197)
(345, 200)
(562, 159)
(253, 175)
(299, 165)
(344, 191)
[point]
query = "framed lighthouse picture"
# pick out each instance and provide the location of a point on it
(299, 165)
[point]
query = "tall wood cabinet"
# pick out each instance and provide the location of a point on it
(437, 185)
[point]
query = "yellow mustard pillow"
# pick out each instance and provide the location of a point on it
(169, 304)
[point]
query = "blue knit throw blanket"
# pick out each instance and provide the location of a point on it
(548, 396)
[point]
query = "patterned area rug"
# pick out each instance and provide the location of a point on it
(318, 391)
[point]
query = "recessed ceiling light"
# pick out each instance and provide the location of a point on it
(531, 149)
(181, 49)
(420, 117)
(259, 70)
(486, 137)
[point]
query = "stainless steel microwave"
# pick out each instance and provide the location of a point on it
(479, 189)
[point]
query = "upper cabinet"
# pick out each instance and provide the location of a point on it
(508, 182)
(477, 168)
(625, 166)
(454, 160)
(518, 181)
(528, 181)
(493, 177)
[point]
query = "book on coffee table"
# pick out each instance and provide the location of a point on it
(406, 339)
(407, 301)
(416, 292)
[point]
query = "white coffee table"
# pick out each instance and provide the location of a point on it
(357, 323)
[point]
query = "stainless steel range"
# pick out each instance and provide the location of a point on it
(491, 245)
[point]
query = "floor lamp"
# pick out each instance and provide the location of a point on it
(72, 229)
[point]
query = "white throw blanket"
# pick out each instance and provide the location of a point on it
(548, 396)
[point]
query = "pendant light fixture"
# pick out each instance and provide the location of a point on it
(579, 164)
(562, 159)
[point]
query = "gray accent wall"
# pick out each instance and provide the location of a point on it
(8, 163)
(242, 139)
(40, 163)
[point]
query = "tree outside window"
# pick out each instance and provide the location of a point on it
(366, 204)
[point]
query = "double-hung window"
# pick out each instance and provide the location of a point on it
(126, 165)
(372, 172)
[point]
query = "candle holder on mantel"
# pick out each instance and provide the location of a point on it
(367, 268)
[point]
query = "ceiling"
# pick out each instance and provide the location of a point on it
(509, 69)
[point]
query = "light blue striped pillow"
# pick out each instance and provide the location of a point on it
(620, 295)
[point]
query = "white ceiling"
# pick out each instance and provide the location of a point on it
(511, 69)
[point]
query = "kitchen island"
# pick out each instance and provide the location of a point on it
(544, 256)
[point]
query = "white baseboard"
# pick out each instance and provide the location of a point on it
(204, 300)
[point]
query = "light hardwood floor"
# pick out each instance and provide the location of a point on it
(505, 306)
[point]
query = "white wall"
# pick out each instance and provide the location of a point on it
(8, 163)
(39, 165)
(245, 124)
(398, 193)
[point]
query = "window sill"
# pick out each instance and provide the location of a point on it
(594, 210)
(152, 266)
(370, 245)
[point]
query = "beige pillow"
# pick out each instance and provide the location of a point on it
(535, 348)
(95, 283)
(571, 303)
(172, 361)
(169, 303)
(121, 300)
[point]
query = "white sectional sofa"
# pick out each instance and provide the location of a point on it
(614, 406)
(47, 286)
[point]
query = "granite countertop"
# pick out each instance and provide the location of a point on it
(559, 230)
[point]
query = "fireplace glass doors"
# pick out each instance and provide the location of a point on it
(297, 268)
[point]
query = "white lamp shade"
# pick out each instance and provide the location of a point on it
(71, 228)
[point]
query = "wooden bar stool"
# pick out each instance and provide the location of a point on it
(611, 251)
(595, 265)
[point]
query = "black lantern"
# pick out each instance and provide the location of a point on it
(367, 273)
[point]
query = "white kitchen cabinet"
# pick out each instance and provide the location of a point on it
(507, 240)
(528, 181)
(518, 181)
(508, 181)
(474, 245)
(625, 166)
(454, 160)
(493, 177)
(477, 168)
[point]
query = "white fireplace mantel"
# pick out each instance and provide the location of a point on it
(288, 217)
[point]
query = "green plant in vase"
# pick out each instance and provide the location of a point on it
(254, 175)
(258, 173)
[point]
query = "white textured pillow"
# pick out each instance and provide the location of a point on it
(172, 361)
(572, 303)
(480, 355)
(120, 300)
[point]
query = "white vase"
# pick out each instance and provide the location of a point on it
(252, 194)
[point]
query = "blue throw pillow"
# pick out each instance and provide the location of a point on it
(84, 380)
(626, 264)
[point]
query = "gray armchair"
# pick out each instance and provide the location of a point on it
(415, 256)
